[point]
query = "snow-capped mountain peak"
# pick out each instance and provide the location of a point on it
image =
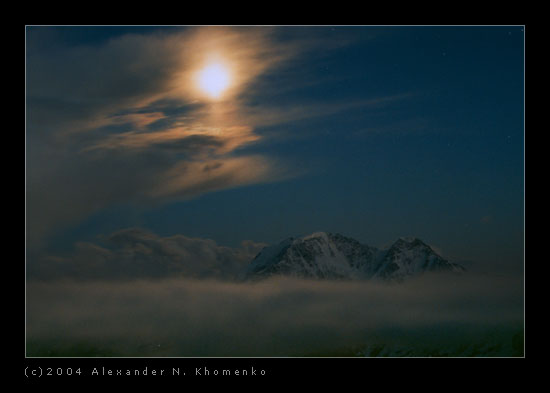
(334, 256)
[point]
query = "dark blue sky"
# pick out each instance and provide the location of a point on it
(372, 132)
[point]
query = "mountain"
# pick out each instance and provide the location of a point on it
(333, 256)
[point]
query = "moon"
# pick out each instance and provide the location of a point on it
(214, 79)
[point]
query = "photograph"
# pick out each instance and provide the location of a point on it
(273, 191)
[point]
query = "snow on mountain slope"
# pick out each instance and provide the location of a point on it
(411, 256)
(333, 256)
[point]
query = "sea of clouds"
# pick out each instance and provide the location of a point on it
(273, 317)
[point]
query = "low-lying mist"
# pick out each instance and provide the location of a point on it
(435, 314)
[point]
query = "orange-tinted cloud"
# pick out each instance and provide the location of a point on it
(188, 179)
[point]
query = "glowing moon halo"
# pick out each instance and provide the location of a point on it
(214, 79)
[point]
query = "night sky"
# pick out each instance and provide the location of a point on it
(371, 132)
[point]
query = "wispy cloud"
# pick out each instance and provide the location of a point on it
(189, 179)
(195, 140)
(123, 121)
(107, 122)
(137, 253)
